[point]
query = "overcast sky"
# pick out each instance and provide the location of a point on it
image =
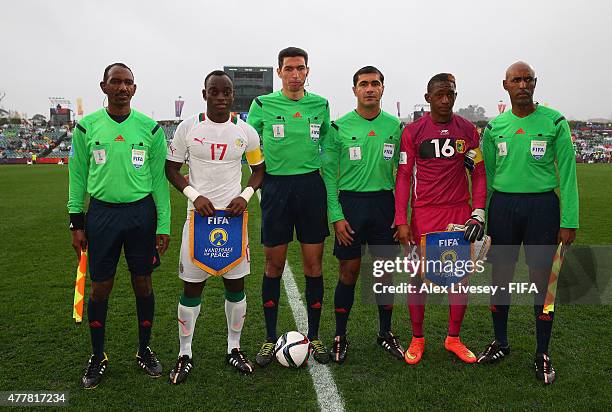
(60, 48)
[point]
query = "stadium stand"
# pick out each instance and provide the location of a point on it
(23, 141)
(592, 141)
(169, 129)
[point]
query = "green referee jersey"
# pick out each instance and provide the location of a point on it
(291, 131)
(533, 154)
(360, 155)
(119, 163)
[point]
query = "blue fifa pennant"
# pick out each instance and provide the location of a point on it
(218, 243)
(445, 256)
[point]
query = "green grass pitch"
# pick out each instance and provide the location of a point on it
(41, 349)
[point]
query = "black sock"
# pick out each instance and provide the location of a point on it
(500, 323)
(270, 295)
(385, 306)
(544, 324)
(145, 307)
(384, 318)
(96, 315)
(343, 302)
(314, 302)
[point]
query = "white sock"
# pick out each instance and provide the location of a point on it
(234, 313)
(187, 317)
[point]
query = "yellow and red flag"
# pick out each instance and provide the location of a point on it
(79, 288)
(551, 293)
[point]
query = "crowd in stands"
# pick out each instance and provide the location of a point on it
(23, 141)
(169, 129)
(593, 142)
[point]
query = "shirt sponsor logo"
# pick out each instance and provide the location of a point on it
(201, 141)
(138, 158)
(520, 131)
(388, 151)
(372, 133)
(538, 149)
(297, 115)
(119, 139)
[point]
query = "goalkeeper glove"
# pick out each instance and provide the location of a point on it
(474, 227)
(468, 160)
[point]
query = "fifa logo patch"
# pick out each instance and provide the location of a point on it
(460, 145)
(538, 149)
(388, 151)
(315, 132)
(138, 158)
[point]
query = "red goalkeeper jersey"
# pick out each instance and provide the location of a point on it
(432, 165)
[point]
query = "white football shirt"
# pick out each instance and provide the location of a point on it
(214, 153)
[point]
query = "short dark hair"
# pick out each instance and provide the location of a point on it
(110, 66)
(217, 73)
(291, 52)
(367, 70)
(440, 78)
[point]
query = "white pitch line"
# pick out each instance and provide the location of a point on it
(327, 392)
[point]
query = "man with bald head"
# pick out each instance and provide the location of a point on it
(523, 149)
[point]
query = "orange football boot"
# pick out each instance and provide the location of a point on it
(454, 344)
(413, 355)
